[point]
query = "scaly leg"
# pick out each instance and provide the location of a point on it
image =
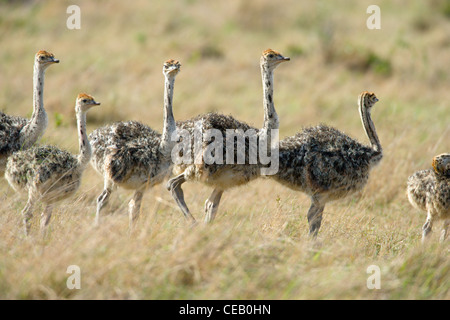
(45, 218)
(315, 216)
(174, 186)
(444, 230)
(426, 229)
(27, 213)
(134, 206)
(102, 199)
(175, 181)
(212, 204)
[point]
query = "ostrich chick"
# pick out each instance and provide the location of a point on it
(48, 173)
(17, 133)
(429, 190)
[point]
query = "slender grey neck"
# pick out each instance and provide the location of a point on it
(85, 147)
(270, 114)
(36, 126)
(369, 127)
(169, 122)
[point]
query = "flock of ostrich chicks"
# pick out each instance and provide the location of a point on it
(320, 161)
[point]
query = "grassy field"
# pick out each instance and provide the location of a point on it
(258, 247)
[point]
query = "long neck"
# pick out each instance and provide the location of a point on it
(36, 126)
(270, 115)
(85, 147)
(368, 125)
(169, 122)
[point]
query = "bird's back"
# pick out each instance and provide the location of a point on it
(419, 185)
(10, 127)
(321, 159)
(124, 149)
(427, 190)
(42, 167)
(224, 173)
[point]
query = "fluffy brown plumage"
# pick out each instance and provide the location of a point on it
(218, 174)
(221, 174)
(34, 169)
(323, 160)
(47, 173)
(126, 149)
(18, 133)
(133, 156)
(10, 127)
(328, 165)
(429, 190)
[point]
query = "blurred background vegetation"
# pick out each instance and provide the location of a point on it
(117, 56)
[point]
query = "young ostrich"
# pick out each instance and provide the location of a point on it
(429, 190)
(49, 174)
(132, 155)
(328, 165)
(17, 133)
(225, 176)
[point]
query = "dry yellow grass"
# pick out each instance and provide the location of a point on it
(258, 247)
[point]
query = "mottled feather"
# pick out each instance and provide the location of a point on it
(321, 159)
(124, 150)
(10, 127)
(48, 171)
(224, 175)
(429, 190)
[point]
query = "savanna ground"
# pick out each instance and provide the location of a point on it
(258, 247)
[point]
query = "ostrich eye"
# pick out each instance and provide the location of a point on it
(41, 58)
(84, 100)
(270, 56)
